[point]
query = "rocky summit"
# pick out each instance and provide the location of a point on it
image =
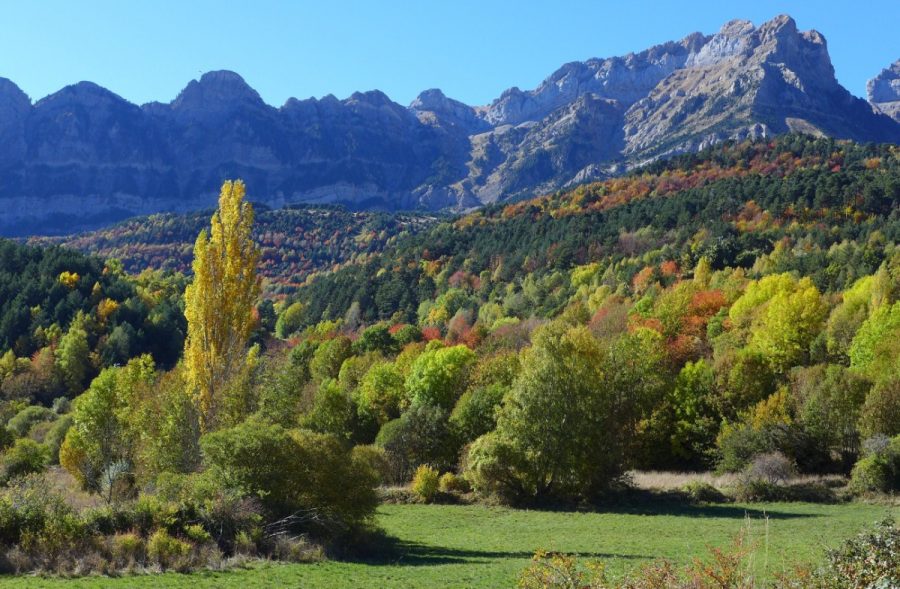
(84, 157)
(884, 91)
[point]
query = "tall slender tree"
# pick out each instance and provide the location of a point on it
(219, 302)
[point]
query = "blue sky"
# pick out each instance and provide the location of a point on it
(148, 50)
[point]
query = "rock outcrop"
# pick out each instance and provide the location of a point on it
(884, 91)
(84, 157)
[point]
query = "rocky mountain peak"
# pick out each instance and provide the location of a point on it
(884, 91)
(434, 107)
(12, 97)
(14, 108)
(214, 94)
(734, 38)
(83, 93)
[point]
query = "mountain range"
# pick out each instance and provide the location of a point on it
(84, 157)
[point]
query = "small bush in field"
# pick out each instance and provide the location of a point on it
(878, 471)
(774, 468)
(246, 542)
(871, 559)
(196, 534)
(167, 551)
(453, 483)
(561, 571)
(127, 549)
(292, 549)
(426, 482)
(872, 474)
(703, 492)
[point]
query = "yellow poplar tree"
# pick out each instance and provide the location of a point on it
(219, 302)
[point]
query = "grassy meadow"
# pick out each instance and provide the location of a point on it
(477, 546)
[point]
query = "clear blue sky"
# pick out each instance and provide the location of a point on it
(472, 49)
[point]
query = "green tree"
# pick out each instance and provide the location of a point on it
(103, 420)
(73, 356)
(328, 358)
(875, 349)
(566, 423)
(289, 320)
(438, 376)
(381, 392)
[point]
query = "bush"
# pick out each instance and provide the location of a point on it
(23, 421)
(291, 471)
(197, 534)
(375, 459)
(871, 559)
(61, 405)
(425, 483)
(878, 471)
(752, 490)
(453, 483)
(873, 474)
(702, 492)
(167, 551)
(422, 435)
(55, 436)
(25, 457)
(774, 468)
(127, 549)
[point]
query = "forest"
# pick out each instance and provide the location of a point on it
(735, 311)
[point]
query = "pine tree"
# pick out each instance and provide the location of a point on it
(219, 302)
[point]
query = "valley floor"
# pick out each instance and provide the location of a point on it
(476, 546)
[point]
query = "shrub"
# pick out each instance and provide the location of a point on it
(167, 551)
(751, 490)
(61, 405)
(127, 549)
(294, 549)
(878, 471)
(873, 474)
(23, 421)
(774, 468)
(55, 436)
(375, 459)
(871, 559)
(453, 483)
(425, 483)
(703, 492)
(291, 471)
(25, 457)
(422, 435)
(197, 534)
(247, 541)
(26, 507)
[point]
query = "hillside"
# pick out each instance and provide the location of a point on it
(295, 242)
(84, 157)
(823, 208)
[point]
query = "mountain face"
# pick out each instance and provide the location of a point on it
(84, 157)
(884, 91)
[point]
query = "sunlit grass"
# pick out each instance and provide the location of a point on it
(476, 546)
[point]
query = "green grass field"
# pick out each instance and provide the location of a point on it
(474, 546)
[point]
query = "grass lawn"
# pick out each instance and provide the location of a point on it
(474, 546)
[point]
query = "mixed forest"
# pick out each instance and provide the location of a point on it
(735, 310)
